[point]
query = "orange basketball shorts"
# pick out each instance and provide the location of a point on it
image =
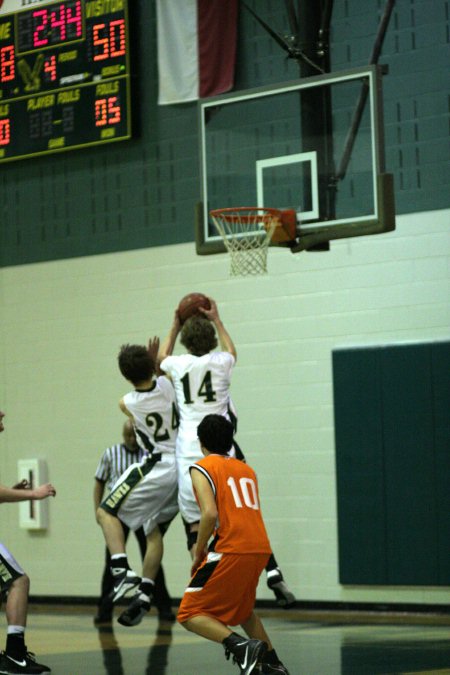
(224, 588)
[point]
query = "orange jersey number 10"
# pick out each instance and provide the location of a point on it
(245, 492)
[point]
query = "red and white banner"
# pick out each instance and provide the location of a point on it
(196, 48)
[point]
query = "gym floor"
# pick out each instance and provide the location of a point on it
(308, 642)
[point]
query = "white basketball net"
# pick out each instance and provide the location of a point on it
(246, 232)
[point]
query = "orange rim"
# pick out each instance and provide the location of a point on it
(259, 214)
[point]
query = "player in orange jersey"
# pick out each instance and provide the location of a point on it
(222, 590)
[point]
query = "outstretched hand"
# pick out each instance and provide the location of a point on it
(153, 347)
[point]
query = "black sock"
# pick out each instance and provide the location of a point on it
(15, 645)
(271, 657)
(118, 564)
(231, 640)
(271, 563)
(146, 587)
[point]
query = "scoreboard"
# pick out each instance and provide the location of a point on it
(64, 75)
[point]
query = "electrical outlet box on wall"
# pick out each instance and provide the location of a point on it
(33, 515)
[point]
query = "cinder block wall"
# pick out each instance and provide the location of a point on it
(64, 321)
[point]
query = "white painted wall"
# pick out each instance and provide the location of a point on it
(61, 328)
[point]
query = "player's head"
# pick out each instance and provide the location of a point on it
(2, 414)
(136, 364)
(129, 436)
(198, 335)
(215, 434)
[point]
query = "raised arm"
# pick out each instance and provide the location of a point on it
(225, 341)
(167, 345)
(153, 350)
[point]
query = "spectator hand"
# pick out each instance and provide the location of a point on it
(23, 485)
(43, 491)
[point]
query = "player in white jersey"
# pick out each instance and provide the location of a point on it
(114, 461)
(145, 494)
(202, 379)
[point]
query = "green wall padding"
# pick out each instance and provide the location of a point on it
(392, 429)
(440, 364)
(360, 474)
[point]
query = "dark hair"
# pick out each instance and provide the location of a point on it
(198, 335)
(215, 433)
(135, 363)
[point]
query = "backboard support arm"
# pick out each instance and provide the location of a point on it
(356, 120)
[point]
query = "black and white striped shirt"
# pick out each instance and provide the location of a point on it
(114, 461)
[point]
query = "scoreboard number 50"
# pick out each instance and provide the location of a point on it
(109, 41)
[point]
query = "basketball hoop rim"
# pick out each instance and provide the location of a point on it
(256, 213)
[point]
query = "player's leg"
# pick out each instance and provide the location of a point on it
(130, 502)
(207, 627)
(275, 581)
(191, 530)
(112, 531)
(142, 601)
(246, 653)
(187, 503)
(162, 599)
(17, 601)
(254, 628)
(15, 586)
(161, 596)
(270, 662)
(210, 604)
(105, 604)
(124, 578)
(158, 492)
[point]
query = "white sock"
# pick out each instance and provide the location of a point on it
(15, 630)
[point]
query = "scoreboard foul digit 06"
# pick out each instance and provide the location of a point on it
(64, 75)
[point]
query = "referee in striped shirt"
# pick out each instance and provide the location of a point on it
(114, 461)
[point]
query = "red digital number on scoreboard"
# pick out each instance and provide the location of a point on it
(7, 65)
(109, 40)
(50, 68)
(53, 26)
(5, 132)
(107, 111)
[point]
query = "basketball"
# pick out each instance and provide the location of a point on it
(190, 304)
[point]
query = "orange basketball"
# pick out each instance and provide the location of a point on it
(190, 304)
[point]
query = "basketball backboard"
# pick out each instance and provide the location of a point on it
(267, 147)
